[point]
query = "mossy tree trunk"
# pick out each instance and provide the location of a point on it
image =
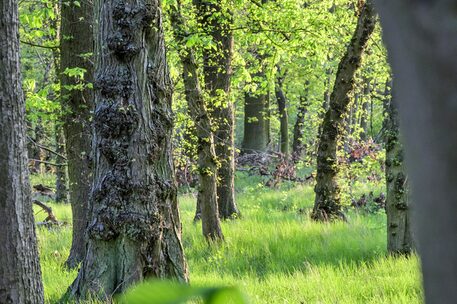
(76, 46)
(134, 231)
(298, 143)
(216, 20)
(327, 204)
(207, 161)
(283, 115)
(20, 275)
(399, 236)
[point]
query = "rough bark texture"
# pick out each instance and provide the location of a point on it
(207, 161)
(327, 202)
(298, 144)
(20, 274)
(134, 231)
(76, 45)
(216, 21)
(420, 37)
(399, 237)
(283, 116)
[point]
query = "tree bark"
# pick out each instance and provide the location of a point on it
(76, 46)
(217, 68)
(327, 201)
(61, 171)
(420, 37)
(20, 274)
(283, 116)
(298, 145)
(134, 231)
(256, 120)
(364, 114)
(207, 160)
(399, 237)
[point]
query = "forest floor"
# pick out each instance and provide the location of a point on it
(274, 253)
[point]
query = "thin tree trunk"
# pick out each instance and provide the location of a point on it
(298, 145)
(20, 274)
(420, 37)
(283, 116)
(207, 171)
(134, 231)
(399, 237)
(61, 171)
(217, 69)
(76, 39)
(327, 202)
(364, 114)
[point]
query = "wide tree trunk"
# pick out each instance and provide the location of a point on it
(207, 162)
(76, 40)
(283, 116)
(327, 202)
(20, 274)
(256, 136)
(420, 38)
(399, 237)
(217, 67)
(134, 231)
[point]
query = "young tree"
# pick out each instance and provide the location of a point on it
(76, 75)
(207, 161)
(399, 237)
(134, 231)
(216, 20)
(20, 274)
(420, 40)
(298, 145)
(327, 202)
(283, 116)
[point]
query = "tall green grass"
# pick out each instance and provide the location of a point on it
(274, 253)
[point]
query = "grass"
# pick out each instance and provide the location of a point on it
(275, 254)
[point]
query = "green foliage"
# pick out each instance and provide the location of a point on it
(162, 292)
(274, 254)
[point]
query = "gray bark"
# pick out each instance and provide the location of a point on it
(298, 144)
(327, 204)
(20, 274)
(420, 37)
(76, 39)
(134, 231)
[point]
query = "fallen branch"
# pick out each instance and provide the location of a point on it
(51, 218)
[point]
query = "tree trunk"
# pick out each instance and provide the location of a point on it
(207, 161)
(134, 231)
(61, 171)
(327, 202)
(364, 114)
(217, 73)
(283, 117)
(420, 37)
(76, 45)
(298, 145)
(399, 238)
(20, 274)
(256, 120)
